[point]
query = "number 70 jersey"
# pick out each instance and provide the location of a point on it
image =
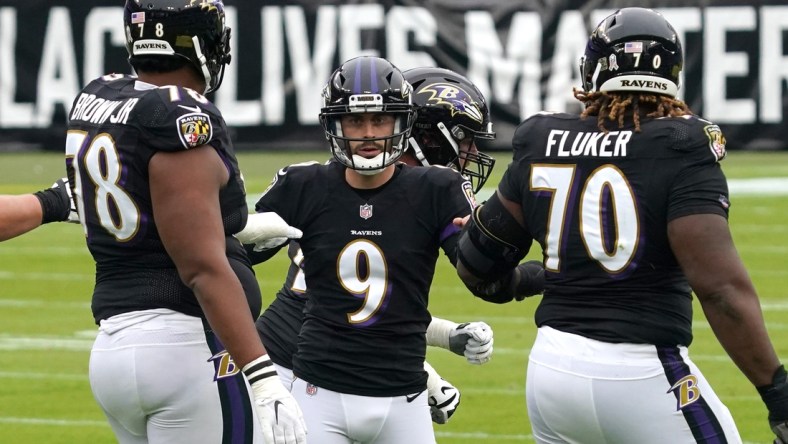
(599, 204)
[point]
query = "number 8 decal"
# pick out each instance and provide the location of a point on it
(606, 195)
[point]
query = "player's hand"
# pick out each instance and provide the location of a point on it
(528, 280)
(442, 397)
(65, 193)
(267, 230)
(57, 204)
(474, 340)
(775, 396)
(279, 415)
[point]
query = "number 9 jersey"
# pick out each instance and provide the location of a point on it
(116, 125)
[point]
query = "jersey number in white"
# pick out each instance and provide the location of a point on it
(115, 209)
(372, 284)
(606, 189)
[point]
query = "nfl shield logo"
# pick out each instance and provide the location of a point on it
(365, 211)
(311, 390)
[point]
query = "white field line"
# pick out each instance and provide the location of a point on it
(53, 422)
(480, 436)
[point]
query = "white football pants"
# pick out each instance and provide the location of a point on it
(583, 391)
(160, 377)
(339, 418)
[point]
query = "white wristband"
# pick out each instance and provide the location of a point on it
(259, 369)
(438, 332)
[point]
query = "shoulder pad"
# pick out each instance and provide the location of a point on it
(531, 128)
(174, 118)
(702, 138)
(295, 171)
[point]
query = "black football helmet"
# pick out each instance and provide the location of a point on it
(634, 49)
(191, 29)
(450, 110)
(367, 85)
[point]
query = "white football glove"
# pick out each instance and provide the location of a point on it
(443, 397)
(474, 340)
(267, 230)
(280, 417)
(62, 185)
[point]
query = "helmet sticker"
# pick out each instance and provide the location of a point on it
(633, 47)
(613, 63)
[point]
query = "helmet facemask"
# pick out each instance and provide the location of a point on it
(452, 148)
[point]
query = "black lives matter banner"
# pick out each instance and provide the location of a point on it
(522, 55)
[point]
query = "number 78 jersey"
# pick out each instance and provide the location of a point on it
(599, 204)
(116, 125)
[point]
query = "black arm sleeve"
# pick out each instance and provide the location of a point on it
(256, 257)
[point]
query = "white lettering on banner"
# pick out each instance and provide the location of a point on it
(58, 80)
(522, 58)
(310, 72)
(569, 46)
(773, 62)
(100, 22)
(12, 114)
(404, 22)
(722, 64)
(507, 64)
(236, 112)
(684, 20)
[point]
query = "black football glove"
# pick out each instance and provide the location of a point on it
(775, 396)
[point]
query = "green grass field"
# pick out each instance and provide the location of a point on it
(46, 328)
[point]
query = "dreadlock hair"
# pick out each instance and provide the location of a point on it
(616, 106)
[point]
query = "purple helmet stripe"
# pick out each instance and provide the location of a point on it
(373, 75)
(357, 83)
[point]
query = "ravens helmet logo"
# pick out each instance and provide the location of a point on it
(458, 99)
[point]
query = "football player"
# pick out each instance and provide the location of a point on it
(372, 229)
(153, 169)
(630, 207)
(25, 212)
(443, 106)
(452, 116)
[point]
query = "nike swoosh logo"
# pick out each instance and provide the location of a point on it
(414, 396)
(276, 404)
(195, 109)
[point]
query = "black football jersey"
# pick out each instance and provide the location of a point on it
(115, 126)
(369, 259)
(281, 321)
(599, 204)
